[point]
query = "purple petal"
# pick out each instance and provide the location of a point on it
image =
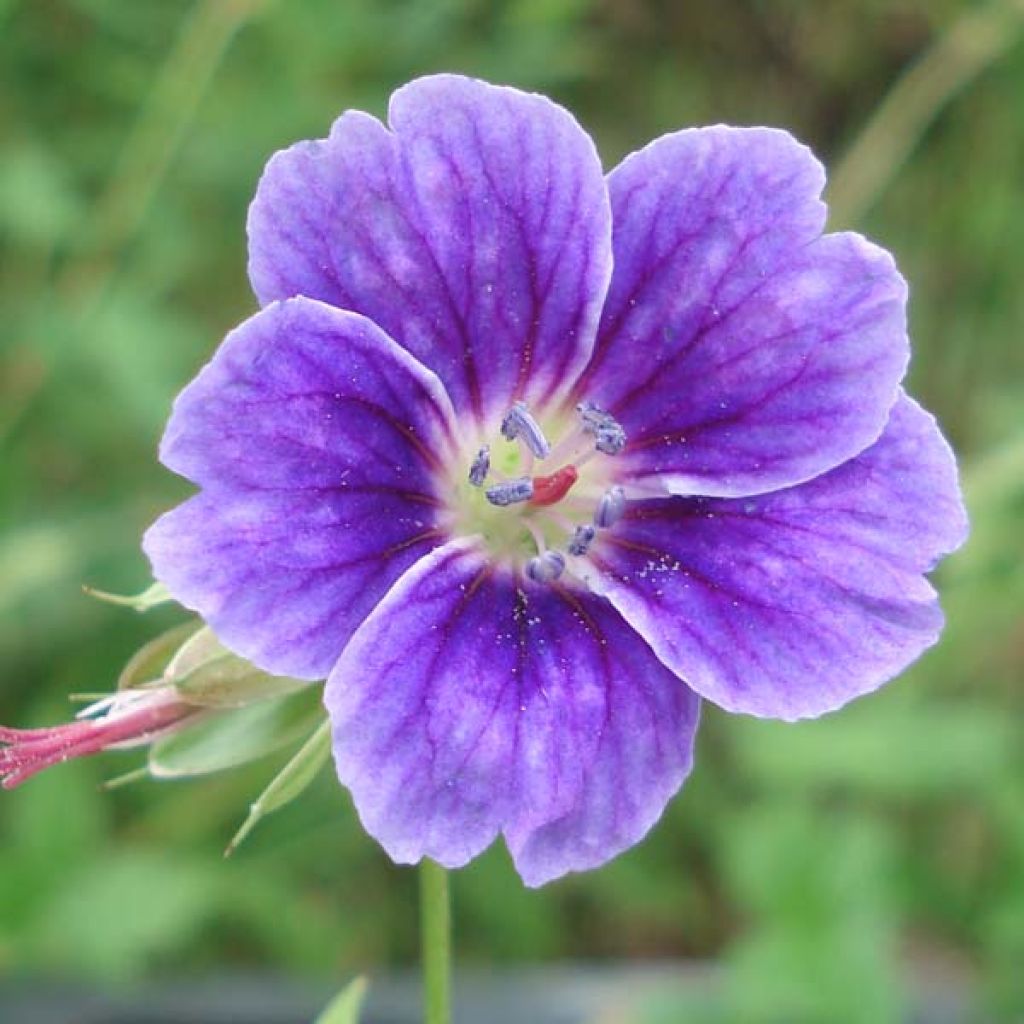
(790, 604)
(476, 232)
(741, 350)
(316, 439)
(470, 703)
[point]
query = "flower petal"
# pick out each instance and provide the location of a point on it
(469, 703)
(476, 232)
(316, 439)
(791, 604)
(741, 350)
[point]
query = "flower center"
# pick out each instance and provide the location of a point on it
(539, 506)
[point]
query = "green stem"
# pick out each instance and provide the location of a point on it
(435, 943)
(978, 38)
(161, 126)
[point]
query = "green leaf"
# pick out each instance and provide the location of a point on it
(38, 201)
(149, 598)
(148, 663)
(230, 738)
(887, 746)
(111, 917)
(345, 1006)
(289, 783)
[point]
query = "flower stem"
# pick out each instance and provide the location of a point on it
(435, 943)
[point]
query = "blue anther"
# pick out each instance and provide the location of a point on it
(510, 492)
(547, 567)
(481, 467)
(610, 508)
(519, 423)
(609, 437)
(582, 538)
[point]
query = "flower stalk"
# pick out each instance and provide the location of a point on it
(435, 942)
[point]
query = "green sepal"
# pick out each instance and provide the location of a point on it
(232, 682)
(152, 596)
(201, 647)
(148, 664)
(207, 674)
(226, 739)
(345, 1006)
(290, 782)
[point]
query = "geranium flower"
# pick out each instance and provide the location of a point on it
(526, 461)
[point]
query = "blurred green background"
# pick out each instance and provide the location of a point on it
(832, 867)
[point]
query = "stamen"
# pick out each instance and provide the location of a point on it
(536, 533)
(546, 567)
(553, 516)
(571, 447)
(518, 423)
(481, 466)
(582, 538)
(510, 492)
(609, 437)
(525, 458)
(610, 508)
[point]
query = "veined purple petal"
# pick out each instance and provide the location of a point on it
(476, 232)
(740, 349)
(790, 604)
(471, 703)
(315, 438)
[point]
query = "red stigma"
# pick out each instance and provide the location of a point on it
(547, 490)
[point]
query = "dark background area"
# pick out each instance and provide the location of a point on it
(832, 868)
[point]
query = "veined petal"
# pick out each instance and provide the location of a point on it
(471, 703)
(316, 439)
(476, 232)
(790, 604)
(741, 350)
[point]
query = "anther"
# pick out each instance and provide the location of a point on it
(609, 437)
(546, 567)
(610, 508)
(481, 467)
(510, 492)
(582, 538)
(518, 423)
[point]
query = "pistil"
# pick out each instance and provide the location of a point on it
(596, 432)
(551, 489)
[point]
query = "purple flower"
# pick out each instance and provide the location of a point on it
(526, 460)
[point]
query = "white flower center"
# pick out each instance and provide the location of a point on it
(538, 507)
